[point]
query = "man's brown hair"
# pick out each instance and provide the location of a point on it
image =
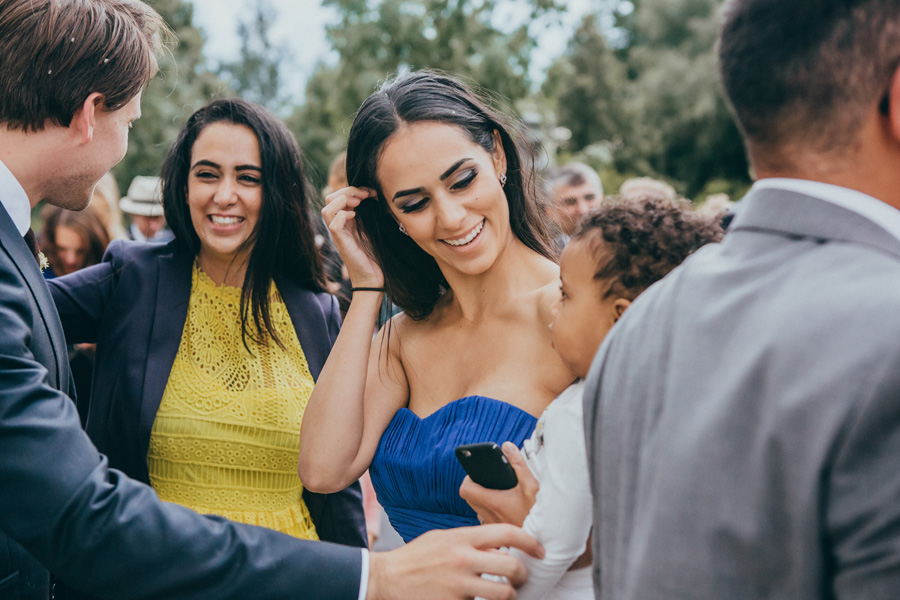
(56, 53)
(807, 73)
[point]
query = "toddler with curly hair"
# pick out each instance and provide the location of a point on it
(616, 253)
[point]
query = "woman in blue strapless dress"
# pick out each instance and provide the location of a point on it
(441, 217)
(416, 469)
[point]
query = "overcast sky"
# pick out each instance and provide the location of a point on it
(301, 25)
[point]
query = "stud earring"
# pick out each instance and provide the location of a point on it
(403, 229)
(502, 179)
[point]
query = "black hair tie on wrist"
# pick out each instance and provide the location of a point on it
(366, 289)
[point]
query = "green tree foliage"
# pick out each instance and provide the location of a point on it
(182, 86)
(663, 113)
(255, 75)
(681, 120)
(375, 40)
(586, 89)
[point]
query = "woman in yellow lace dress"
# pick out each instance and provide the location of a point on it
(208, 347)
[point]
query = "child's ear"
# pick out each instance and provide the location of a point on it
(619, 307)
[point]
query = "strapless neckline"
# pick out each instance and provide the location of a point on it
(473, 397)
(415, 472)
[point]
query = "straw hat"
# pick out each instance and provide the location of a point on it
(144, 197)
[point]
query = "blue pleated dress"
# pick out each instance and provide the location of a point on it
(415, 472)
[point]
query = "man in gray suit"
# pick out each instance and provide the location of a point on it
(743, 418)
(71, 72)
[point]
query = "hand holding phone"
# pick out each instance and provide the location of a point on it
(486, 464)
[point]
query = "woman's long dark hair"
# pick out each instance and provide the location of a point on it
(282, 243)
(413, 280)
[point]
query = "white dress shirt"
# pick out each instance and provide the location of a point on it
(881, 213)
(14, 200)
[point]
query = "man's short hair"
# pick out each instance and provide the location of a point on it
(807, 72)
(56, 53)
(574, 174)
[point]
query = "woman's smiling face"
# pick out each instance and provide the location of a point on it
(446, 192)
(224, 190)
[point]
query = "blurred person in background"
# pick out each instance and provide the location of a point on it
(647, 186)
(576, 190)
(143, 205)
(105, 202)
(72, 240)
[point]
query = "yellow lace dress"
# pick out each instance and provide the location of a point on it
(226, 436)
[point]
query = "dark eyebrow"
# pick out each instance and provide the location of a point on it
(204, 163)
(455, 166)
(443, 176)
(402, 193)
(209, 163)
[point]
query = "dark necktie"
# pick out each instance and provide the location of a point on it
(32, 243)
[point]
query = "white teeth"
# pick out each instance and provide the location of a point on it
(468, 238)
(225, 220)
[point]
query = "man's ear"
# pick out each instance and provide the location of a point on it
(499, 154)
(619, 307)
(85, 118)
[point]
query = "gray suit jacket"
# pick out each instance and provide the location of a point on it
(743, 418)
(93, 527)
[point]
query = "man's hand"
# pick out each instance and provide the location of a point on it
(447, 565)
(503, 506)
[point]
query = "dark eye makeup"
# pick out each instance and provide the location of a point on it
(465, 180)
(468, 176)
(414, 206)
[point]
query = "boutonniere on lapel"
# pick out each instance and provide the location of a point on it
(43, 263)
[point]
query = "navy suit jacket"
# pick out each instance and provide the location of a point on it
(134, 305)
(102, 532)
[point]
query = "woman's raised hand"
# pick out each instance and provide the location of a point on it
(340, 217)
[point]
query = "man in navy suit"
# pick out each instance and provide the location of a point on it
(71, 74)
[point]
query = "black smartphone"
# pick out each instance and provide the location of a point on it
(486, 464)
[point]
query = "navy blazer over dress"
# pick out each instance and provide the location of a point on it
(134, 305)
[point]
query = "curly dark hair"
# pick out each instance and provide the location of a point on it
(638, 240)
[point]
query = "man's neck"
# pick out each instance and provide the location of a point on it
(30, 157)
(870, 165)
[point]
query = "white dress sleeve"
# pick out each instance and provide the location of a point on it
(561, 516)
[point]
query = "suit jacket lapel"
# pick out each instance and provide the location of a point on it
(791, 213)
(24, 262)
(173, 291)
(309, 321)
